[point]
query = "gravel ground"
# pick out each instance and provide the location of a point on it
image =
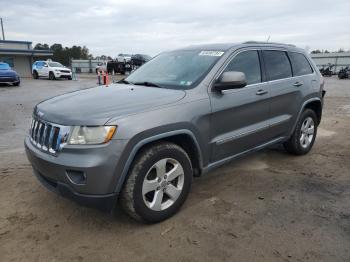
(268, 206)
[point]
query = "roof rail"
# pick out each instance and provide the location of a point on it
(265, 43)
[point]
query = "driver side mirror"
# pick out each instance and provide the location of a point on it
(230, 80)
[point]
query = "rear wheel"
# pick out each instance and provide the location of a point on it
(35, 75)
(158, 184)
(303, 137)
(52, 76)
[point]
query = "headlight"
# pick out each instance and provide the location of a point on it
(87, 135)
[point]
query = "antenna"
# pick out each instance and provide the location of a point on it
(2, 29)
(268, 39)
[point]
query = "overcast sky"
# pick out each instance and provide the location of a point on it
(150, 26)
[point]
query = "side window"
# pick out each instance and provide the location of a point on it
(277, 65)
(248, 63)
(300, 64)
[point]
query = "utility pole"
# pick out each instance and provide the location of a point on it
(2, 29)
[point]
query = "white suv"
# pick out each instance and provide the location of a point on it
(50, 69)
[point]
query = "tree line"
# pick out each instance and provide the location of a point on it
(64, 55)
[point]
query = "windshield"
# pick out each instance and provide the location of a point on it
(55, 64)
(178, 69)
(4, 66)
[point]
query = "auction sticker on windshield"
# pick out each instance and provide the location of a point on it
(211, 53)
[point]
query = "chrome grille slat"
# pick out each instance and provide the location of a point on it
(48, 137)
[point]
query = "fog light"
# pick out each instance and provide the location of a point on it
(76, 177)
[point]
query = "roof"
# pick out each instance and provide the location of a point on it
(15, 42)
(227, 46)
(25, 51)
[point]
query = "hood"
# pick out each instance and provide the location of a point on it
(8, 73)
(95, 106)
(60, 68)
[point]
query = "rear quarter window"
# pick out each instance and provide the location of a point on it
(277, 64)
(300, 64)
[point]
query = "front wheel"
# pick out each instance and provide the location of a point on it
(158, 184)
(35, 75)
(52, 76)
(304, 135)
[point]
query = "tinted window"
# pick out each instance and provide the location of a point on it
(300, 64)
(248, 63)
(277, 64)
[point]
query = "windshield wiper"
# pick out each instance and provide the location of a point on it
(147, 84)
(123, 81)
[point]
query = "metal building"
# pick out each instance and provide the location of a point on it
(338, 59)
(20, 55)
(86, 66)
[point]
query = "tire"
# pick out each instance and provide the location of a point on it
(17, 83)
(140, 201)
(303, 137)
(52, 76)
(69, 78)
(35, 75)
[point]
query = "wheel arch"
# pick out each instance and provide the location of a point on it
(183, 138)
(314, 104)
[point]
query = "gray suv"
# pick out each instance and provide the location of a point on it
(180, 115)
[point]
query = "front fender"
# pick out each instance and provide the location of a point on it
(136, 143)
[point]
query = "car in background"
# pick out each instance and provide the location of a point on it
(139, 59)
(8, 76)
(123, 58)
(52, 70)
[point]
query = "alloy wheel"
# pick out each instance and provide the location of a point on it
(163, 184)
(307, 132)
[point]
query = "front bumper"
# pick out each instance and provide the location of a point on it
(102, 202)
(98, 164)
(63, 75)
(9, 80)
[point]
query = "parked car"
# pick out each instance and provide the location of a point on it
(52, 70)
(118, 67)
(8, 76)
(344, 72)
(180, 115)
(123, 58)
(139, 59)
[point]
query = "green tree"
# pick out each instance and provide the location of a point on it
(64, 55)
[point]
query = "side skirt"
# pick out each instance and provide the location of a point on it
(221, 162)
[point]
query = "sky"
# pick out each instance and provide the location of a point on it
(111, 27)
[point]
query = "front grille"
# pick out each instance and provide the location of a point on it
(47, 136)
(65, 71)
(7, 78)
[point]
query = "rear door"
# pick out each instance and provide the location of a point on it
(284, 90)
(240, 117)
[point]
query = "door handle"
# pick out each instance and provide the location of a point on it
(297, 84)
(261, 92)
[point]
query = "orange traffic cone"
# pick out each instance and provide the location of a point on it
(107, 80)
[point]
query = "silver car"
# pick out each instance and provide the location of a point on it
(139, 142)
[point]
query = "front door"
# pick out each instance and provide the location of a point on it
(240, 117)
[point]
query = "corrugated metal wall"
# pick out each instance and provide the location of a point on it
(338, 59)
(84, 66)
